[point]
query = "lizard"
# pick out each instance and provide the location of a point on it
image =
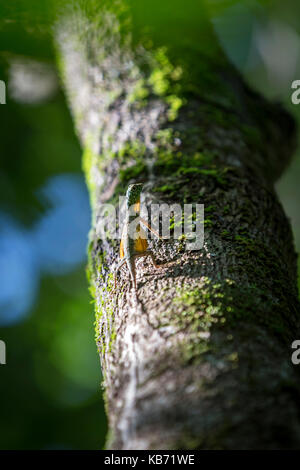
(134, 245)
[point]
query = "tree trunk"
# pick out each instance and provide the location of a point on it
(202, 359)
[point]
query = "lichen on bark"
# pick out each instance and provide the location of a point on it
(203, 359)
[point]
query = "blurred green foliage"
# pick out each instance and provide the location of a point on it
(50, 391)
(50, 387)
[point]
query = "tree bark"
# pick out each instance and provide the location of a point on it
(202, 360)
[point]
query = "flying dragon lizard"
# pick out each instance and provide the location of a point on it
(134, 241)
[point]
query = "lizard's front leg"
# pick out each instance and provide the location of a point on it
(163, 265)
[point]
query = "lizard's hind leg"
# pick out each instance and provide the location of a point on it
(154, 260)
(149, 253)
(163, 265)
(131, 264)
(117, 270)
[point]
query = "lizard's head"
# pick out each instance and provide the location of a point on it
(133, 195)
